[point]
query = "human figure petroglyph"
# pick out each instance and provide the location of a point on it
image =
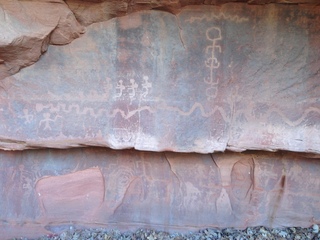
(120, 87)
(132, 89)
(146, 86)
(28, 117)
(46, 121)
(213, 34)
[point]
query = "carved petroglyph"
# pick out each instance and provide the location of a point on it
(71, 108)
(120, 87)
(247, 114)
(195, 106)
(146, 86)
(46, 121)
(93, 112)
(76, 109)
(296, 122)
(129, 114)
(28, 117)
(213, 34)
(132, 89)
(221, 15)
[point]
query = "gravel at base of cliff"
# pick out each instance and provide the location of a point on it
(254, 233)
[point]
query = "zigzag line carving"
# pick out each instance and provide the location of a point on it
(221, 15)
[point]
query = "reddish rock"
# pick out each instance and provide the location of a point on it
(46, 191)
(211, 78)
(25, 33)
(26, 29)
(80, 194)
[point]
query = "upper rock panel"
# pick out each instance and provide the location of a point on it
(211, 78)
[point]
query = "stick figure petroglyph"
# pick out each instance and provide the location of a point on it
(28, 117)
(121, 87)
(146, 86)
(213, 34)
(46, 121)
(132, 89)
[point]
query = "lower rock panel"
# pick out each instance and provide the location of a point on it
(44, 191)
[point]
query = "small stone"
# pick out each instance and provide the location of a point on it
(249, 231)
(283, 234)
(315, 228)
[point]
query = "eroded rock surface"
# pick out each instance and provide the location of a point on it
(211, 78)
(46, 191)
(26, 29)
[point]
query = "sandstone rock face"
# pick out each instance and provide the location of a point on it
(180, 79)
(28, 26)
(208, 79)
(79, 193)
(44, 191)
(26, 29)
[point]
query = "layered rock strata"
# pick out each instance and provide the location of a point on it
(180, 79)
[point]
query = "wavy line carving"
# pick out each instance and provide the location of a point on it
(221, 15)
(61, 107)
(194, 107)
(130, 113)
(290, 122)
(285, 119)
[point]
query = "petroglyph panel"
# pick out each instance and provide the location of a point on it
(44, 191)
(207, 79)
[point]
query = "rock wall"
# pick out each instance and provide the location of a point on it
(178, 78)
(207, 79)
(45, 191)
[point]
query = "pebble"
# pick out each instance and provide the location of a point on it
(250, 233)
